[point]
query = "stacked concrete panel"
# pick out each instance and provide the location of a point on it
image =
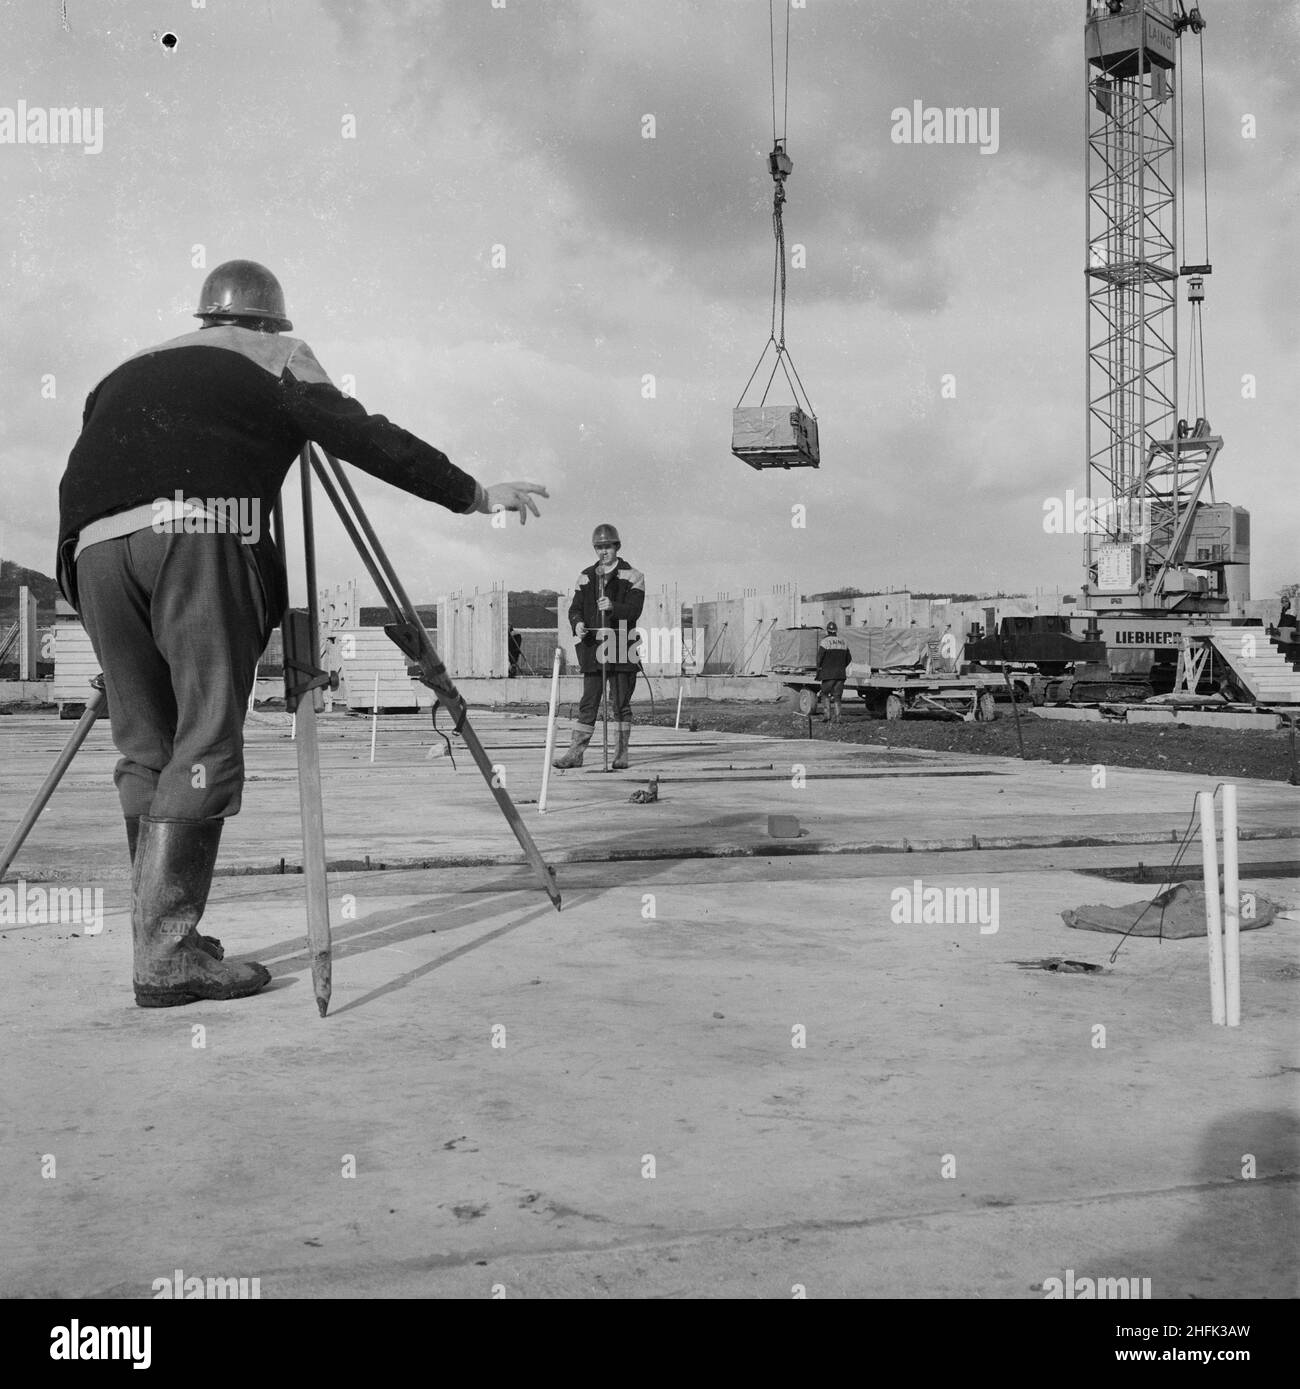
(473, 632)
(360, 654)
(75, 661)
(719, 632)
(661, 633)
(736, 635)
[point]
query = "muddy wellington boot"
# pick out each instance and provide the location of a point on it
(573, 758)
(169, 890)
(209, 943)
(624, 738)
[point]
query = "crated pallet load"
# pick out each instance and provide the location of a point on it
(774, 436)
(763, 435)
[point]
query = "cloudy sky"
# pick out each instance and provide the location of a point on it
(519, 124)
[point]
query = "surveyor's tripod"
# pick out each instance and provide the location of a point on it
(303, 680)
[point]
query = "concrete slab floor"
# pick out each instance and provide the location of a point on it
(706, 1077)
(412, 806)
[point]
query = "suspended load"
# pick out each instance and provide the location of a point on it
(763, 435)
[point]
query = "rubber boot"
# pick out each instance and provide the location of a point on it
(210, 943)
(573, 758)
(835, 711)
(624, 738)
(169, 890)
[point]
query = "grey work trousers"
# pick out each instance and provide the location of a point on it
(178, 623)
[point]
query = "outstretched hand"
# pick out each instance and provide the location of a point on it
(515, 496)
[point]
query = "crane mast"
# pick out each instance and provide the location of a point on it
(1154, 545)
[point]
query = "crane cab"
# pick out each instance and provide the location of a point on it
(1139, 35)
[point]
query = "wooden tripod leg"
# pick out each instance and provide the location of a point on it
(94, 706)
(310, 802)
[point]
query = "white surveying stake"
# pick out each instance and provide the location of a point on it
(1222, 925)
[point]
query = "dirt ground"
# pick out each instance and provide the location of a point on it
(1179, 748)
(1213, 752)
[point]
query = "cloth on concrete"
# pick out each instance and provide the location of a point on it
(1174, 915)
(178, 623)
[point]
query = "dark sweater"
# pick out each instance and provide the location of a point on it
(223, 412)
(833, 658)
(625, 589)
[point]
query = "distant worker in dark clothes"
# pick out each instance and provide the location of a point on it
(165, 551)
(1286, 622)
(832, 668)
(606, 607)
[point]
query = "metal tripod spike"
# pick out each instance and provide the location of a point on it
(409, 633)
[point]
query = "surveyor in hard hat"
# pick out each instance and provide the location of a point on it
(832, 668)
(606, 607)
(165, 550)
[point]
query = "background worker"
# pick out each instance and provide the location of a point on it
(179, 606)
(832, 668)
(606, 607)
(1286, 622)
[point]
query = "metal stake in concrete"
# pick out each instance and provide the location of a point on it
(681, 689)
(550, 732)
(1213, 922)
(374, 721)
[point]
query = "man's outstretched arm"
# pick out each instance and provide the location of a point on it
(342, 426)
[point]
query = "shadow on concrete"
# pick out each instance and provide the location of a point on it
(1242, 1241)
(429, 966)
(391, 927)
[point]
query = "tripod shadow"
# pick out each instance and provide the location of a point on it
(429, 966)
(391, 927)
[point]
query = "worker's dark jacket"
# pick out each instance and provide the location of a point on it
(222, 414)
(625, 589)
(832, 658)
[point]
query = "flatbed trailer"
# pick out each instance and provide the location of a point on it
(894, 694)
